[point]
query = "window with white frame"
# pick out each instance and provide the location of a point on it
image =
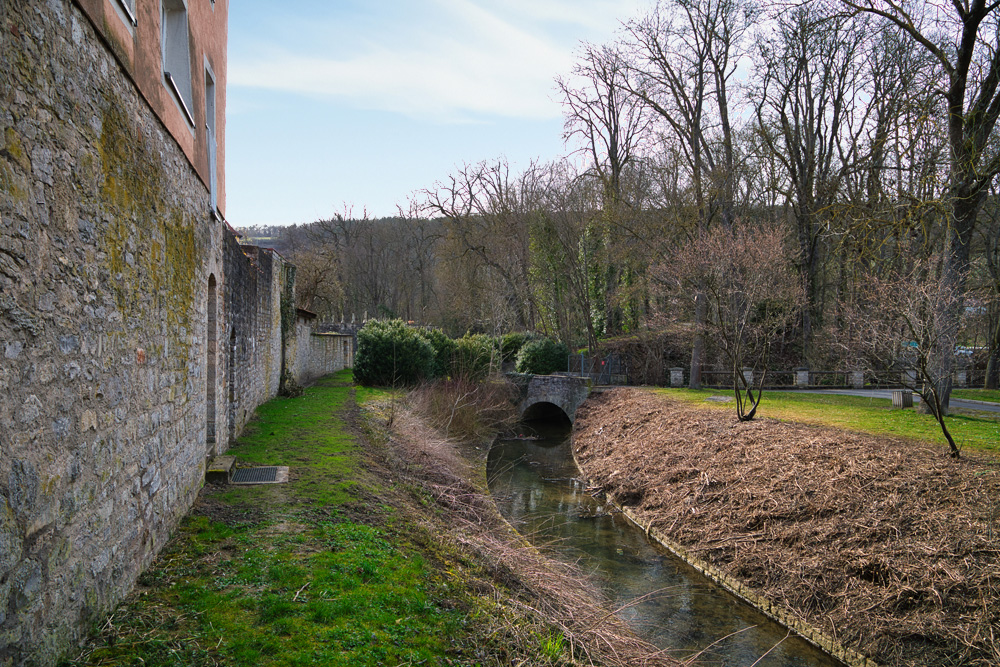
(176, 53)
(210, 136)
(126, 8)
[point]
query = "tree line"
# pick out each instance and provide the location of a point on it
(766, 178)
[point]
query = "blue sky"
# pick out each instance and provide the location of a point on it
(360, 103)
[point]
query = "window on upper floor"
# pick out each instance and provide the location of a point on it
(126, 8)
(213, 184)
(176, 53)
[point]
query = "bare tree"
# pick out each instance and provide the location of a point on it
(892, 327)
(317, 280)
(611, 126)
(564, 253)
(484, 207)
(991, 255)
(422, 240)
(683, 57)
(609, 123)
(962, 38)
(807, 106)
(752, 292)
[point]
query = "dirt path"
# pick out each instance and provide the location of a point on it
(888, 546)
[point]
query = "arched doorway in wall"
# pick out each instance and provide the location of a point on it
(211, 351)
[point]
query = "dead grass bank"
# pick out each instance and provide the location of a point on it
(528, 594)
(888, 546)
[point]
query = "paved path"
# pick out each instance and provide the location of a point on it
(887, 394)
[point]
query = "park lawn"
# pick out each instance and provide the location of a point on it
(319, 571)
(973, 430)
(991, 395)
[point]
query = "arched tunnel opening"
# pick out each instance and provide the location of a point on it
(546, 414)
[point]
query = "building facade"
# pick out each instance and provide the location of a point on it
(137, 336)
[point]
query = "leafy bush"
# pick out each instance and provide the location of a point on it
(511, 344)
(444, 351)
(474, 357)
(392, 354)
(542, 357)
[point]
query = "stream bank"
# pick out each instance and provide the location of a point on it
(383, 548)
(888, 546)
(536, 484)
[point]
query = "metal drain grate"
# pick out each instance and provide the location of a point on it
(260, 475)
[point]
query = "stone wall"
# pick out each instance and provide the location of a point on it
(321, 354)
(255, 281)
(563, 391)
(106, 247)
(137, 336)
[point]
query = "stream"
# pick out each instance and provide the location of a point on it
(536, 485)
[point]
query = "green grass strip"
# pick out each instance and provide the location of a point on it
(973, 430)
(989, 395)
(291, 574)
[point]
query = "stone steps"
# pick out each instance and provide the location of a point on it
(219, 469)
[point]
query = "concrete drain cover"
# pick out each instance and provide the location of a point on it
(260, 475)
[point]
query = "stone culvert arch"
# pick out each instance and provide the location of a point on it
(561, 391)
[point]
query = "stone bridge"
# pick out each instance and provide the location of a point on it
(543, 393)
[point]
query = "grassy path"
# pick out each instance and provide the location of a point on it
(318, 571)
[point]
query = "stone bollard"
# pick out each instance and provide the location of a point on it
(802, 377)
(961, 378)
(857, 379)
(748, 376)
(909, 378)
(676, 377)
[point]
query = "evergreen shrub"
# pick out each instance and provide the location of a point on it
(444, 352)
(542, 357)
(474, 357)
(511, 344)
(392, 354)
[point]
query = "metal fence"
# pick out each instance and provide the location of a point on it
(611, 370)
(601, 370)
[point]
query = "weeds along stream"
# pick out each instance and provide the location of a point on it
(536, 485)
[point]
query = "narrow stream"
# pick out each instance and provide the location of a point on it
(536, 486)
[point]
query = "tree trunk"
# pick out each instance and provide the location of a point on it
(993, 365)
(698, 348)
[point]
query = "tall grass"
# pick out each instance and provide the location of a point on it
(466, 410)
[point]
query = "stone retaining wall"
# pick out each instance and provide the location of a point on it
(106, 247)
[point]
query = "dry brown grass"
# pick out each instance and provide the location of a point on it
(529, 595)
(465, 410)
(886, 545)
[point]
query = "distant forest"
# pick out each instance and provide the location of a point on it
(814, 182)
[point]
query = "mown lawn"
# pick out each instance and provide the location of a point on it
(318, 571)
(992, 395)
(972, 430)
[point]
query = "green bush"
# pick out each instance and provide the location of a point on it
(392, 354)
(511, 344)
(542, 357)
(444, 351)
(474, 357)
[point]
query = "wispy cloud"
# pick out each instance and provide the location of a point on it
(453, 60)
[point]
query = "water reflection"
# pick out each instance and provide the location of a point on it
(666, 601)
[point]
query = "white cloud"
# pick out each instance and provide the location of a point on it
(454, 60)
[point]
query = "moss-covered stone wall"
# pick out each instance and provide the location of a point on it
(108, 256)
(254, 343)
(106, 247)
